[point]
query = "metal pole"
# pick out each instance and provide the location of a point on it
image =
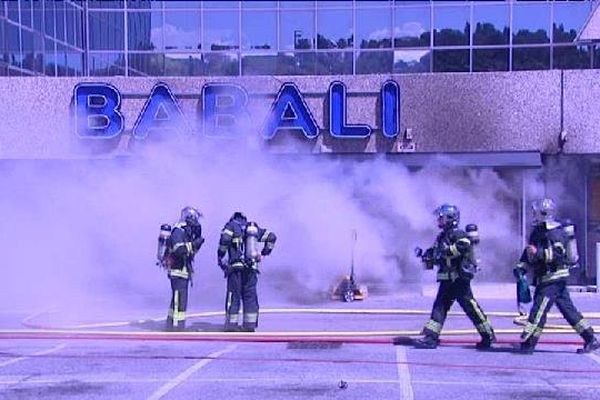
(597, 267)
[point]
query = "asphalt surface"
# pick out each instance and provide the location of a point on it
(127, 369)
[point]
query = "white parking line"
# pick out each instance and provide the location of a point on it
(406, 390)
(173, 383)
(39, 353)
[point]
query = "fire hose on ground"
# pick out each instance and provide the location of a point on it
(93, 331)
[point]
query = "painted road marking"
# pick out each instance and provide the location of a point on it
(173, 383)
(406, 390)
(39, 353)
(14, 380)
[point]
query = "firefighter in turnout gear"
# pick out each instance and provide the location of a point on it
(550, 253)
(182, 245)
(453, 253)
(239, 241)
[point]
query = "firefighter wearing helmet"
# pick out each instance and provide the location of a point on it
(453, 253)
(550, 253)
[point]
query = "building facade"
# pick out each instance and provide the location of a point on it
(233, 38)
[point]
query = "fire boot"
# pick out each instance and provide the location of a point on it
(427, 342)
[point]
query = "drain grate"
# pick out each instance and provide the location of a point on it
(314, 345)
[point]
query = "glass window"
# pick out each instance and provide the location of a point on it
(222, 64)
(13, 11)
(375, 62)
(301, 63)
(568, 19)
(334, 63)
(106, 30)
(61, 60)
(372, 3)
(334, 4)
(297, 4)
(106, 64)
(38, 16)
(490, 60)
(334, 29)
(412, 61)
(146, 64)
(13, 45)
(49, 18)
(531, 23)
(79, 33)
(27, 49)
(2, 9)
(221, 30)
(492, 24)
(191, 64)
(145, 30)
(59, 15)
(221, 4)
(296, 30)
(531, 58)
(70, 24)
(145, 5)
(74, 63)
(259, 64)
(26, 12)
(49, 58)
(117, 4)
(182, 4)
(412, 27)
(451, 60)
(259, 30)
(182, 30)
(374, 28)
(38, 53)
(452, 27)
(259, 4)
(571, 57)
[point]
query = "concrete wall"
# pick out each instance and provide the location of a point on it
(516, 111)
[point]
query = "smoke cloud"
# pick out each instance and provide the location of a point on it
(81, 234)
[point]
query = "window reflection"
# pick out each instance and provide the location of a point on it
(226, 64)
(531, 58)
(373, 28)
(571, 57)
(531, 23)
(296, 30)
(490, 60)
(451, 60)
(301, 63)
(182, 30)
(259, 30)
(146, 64)
(106, 64)
(412, 27)
(334, 63)
(145, 30)
(259, 64)
(221, 30)
(411, 61)
(190, 64)
(452, 26)
(491, 24)
(334, 29)
(106, 30)
(568, 19)
(374, 62)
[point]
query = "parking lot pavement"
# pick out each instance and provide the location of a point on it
(137, 369)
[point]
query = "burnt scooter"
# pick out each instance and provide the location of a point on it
(347, 289)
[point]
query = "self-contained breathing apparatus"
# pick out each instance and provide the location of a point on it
(162, 254)
(436, 254)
